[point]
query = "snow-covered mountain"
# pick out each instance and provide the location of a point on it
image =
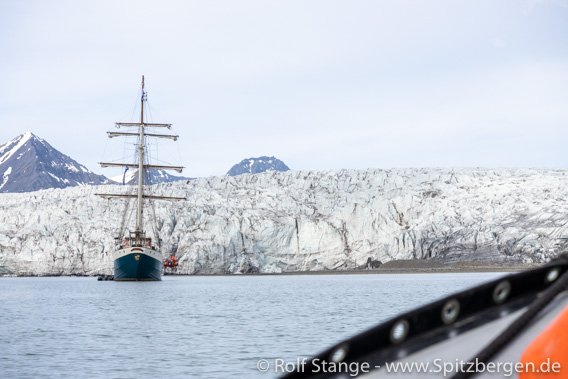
(257, 165)
(291, 221)
(154, 176)
(29, 163)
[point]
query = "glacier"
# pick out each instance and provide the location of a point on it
(290, 221)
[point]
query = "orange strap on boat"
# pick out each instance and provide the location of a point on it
(548, 353)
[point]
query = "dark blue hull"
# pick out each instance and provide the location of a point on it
(136, 265)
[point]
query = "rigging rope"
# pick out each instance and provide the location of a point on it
(155, 223)
(124, 217)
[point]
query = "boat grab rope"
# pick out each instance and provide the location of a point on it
(489, 351)
(446, 318)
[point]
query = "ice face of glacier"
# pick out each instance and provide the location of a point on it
(300, 221)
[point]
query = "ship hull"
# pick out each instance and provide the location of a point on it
(137, 263)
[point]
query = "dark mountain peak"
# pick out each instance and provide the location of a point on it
(29, 163)
(8, 149)
(257, 165)
(30, 135)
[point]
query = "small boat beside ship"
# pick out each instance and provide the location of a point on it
(137, 255)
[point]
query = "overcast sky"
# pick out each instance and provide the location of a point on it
(318, 84)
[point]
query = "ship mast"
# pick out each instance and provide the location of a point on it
(140, 164)
(141, 134)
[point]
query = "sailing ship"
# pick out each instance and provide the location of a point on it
(137, 256)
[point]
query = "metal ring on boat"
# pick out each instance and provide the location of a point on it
(450, 311)
(399, 331)
(501, 291)
(552, 275)
(339, 354)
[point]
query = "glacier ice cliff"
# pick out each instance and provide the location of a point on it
(300, 221)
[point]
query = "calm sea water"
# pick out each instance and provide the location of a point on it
(203, 327)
